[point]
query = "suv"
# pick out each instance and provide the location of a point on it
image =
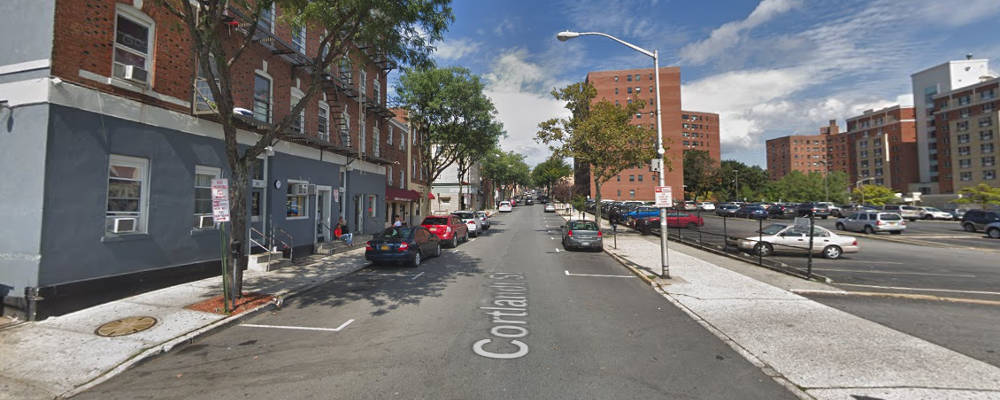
(472, 222)
(976, 220)
(834, 210)
(933, 213)
(816, 209)
(872, 223)
(909, 212)
(448, 228)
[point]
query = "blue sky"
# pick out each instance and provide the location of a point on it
(769, 68)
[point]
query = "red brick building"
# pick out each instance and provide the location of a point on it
(968, 126)
(682, 130)
(883, 147)
(803, 153)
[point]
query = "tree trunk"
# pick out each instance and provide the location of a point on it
(597, 210)
(461, 199)
(238, 194)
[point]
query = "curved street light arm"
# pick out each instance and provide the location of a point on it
(630, 45)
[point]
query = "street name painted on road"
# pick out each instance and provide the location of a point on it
(510, 296)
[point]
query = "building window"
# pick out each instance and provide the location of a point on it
(987, 107)
(204, 102)
(963, 138)
(377, 136)
(345, 128)
(402, 179)
(388, 138)
(298, 123)
(985, 121)
(346, 70)
(372, 205)
(377, 91)
(637, 77)
(618, 178)
(362, 135)
(638, 115)
(299, 39)
(638, 89)
(650, 89)
(965, 176)
(267, 19)
(989, 175)
(128, 200)
(616, 90)
(133, 42)
(323, 124)
(631, 193)
(989, 161)
(631, 178)
(203, 195)
(640, 177)
(628, 78)
(616, 78)
(262, 98)
(986, 147)
(628, 90)
(297, 200)
(363, 82)
(965, 163)
(402, 139)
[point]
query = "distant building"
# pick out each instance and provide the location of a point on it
(966, 122)
(883, 147)
(926, 84)
(803, 153)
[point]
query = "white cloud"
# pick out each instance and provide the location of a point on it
(455, 49)
(504, 26)
(729, 35)
(956, 14)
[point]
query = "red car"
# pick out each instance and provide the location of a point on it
(675, 219)
(449, 228)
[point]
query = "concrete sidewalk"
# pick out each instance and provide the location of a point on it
(62, 356)
(818, 351)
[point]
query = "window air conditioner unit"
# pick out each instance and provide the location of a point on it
(300, 189)
(206, 221)
(135, 74)
(258, 184)
(124, 225)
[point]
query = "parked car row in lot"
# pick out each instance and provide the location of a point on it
(411, 245)
(792, 239)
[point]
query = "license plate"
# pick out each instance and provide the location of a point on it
(585, 243)
(385, 247)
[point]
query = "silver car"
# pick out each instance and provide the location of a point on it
(582, 235)
(484, 219)
(782, 238)
(993, 230)
(872, 223)
(471, 221)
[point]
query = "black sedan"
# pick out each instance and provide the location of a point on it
(755, 212)
(781, 211)
(402, 245)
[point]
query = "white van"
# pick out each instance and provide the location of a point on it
(505, 206)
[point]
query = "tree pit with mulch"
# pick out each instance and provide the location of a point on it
(248, 302)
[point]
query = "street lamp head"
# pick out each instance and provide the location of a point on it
(566, 35)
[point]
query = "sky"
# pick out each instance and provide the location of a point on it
(769, 68)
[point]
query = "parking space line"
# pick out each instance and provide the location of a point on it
(894, 272)
(301, 328)
(922, 289)
(416, 276)
(599, 275)
(557, 249)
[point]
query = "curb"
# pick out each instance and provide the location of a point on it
(165, 347)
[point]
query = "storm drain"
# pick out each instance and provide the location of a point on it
(125, 326)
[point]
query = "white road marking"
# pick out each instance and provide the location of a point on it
(301, 328)
(472, 240)
(600, 275)
(557, 249)
(895, 273)
(922, 289)
(416, 276)
(551, 238)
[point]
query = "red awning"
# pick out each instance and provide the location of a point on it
(394, 194)
(430, 195)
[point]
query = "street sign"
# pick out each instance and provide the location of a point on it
(664, 197)
(655, 165)
(220, 200)
(802, 224)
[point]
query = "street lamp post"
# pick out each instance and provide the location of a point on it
(655, 54)
(858, 186)
(826, 179)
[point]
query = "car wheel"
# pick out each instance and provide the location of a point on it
(993, 233)
(896, 232)
(869, 230)
(840, 226)
(969, 227)
(832, 252)
(763, 249)
(825, 217)
(454, 242)
(692, 226)
(912, 219)
(928, 217)
(437, 250)
(416, 260)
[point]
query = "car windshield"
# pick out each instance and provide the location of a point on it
(435, 221)
(890, 217)
(464, 215)
(504, 203)
(773, 229)
(583, 225)
(931, 209)
(394, 233)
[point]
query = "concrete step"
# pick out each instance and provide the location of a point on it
(267, 261)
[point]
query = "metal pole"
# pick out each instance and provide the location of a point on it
(812, 222)
(760, 241)
(664, 260)
(700, 242)
(725, 234)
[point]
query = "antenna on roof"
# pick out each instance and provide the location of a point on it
(968, 56)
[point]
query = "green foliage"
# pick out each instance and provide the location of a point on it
(873, 194)
(457, 120)
(981, 194)
(549, 172)
(579, 202)
(738, 181)
(701, 175)
(505, 170)
(799, 187)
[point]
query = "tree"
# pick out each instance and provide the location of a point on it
(981, 194)
(873, 194)
(549, 172)
(562, 191)
(738, 181)
(457, 119)
(700, 173)
(598, 134)
(400, 32)
(506, 171)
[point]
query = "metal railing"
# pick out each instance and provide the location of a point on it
(261, 240)
(275, 232)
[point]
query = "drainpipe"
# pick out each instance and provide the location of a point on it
(32, 298)
(264, 214)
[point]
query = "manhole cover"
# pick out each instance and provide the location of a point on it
(125, 326)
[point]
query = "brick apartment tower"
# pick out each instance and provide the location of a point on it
(968, 127)
(883, 146)
(701, 130)
(803, 153)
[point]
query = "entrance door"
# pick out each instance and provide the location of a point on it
(324, 200)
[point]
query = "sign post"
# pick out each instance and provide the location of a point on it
(220, 215)
(664, 200)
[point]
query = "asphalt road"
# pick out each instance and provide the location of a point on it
(590, 331)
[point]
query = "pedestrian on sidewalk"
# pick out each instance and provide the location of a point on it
(399, 221)
(345, 232)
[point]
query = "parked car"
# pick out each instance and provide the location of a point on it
(726, 210)
(485, 219)
(448, 228)
(909, 212)
(833, 208)
(529, 201)
(956, 213)
(781, 211)
(550, 208)
(706, 206)
(872, 223)
(406, 245)
(690, 205)
(581, 235)
(755, 212)
(816, 209)
(504, 207)
(640, 212)
(474, 224)
(933, 213)
(993, 230)
(976, 220)
(782, 238)
(543, 199)
(678, 219)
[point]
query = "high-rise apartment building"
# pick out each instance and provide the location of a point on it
(883, 147)
(966, 122)
(682, 131)
(838, 151)
(803, 153)
(927, 84)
